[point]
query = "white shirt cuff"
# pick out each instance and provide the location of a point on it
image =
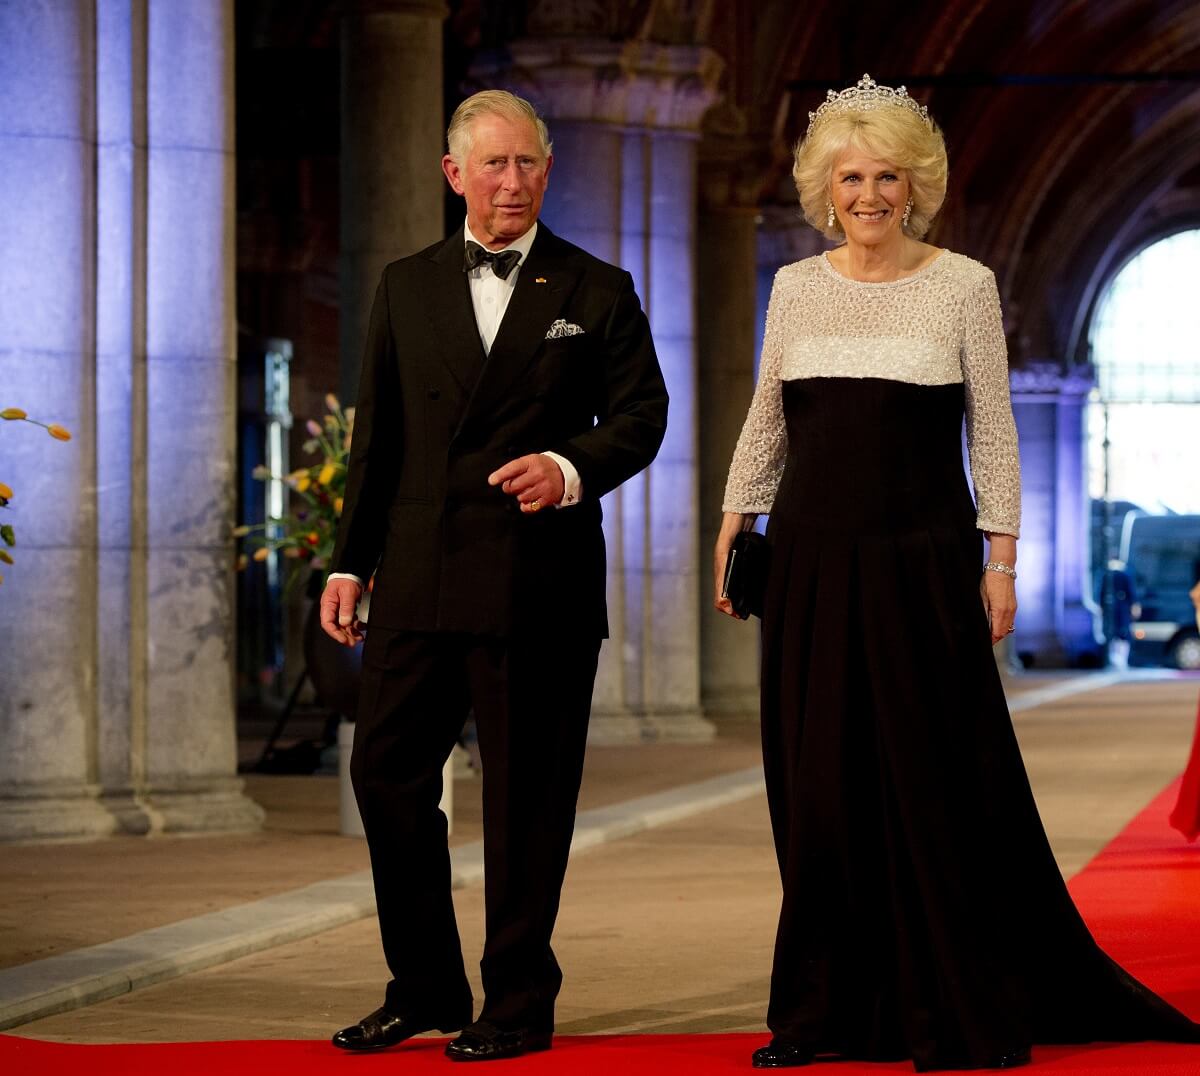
(572, 483)
(345, 575)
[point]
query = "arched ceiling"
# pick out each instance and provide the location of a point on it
(1073, 128)
(1073, 125)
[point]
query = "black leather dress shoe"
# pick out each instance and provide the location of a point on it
(483, 1042)
(1013, 1060)
(382, 1029)
(780, 1054)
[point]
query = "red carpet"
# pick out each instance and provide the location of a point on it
(1141, 896)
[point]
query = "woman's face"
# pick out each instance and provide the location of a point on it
(868, 197)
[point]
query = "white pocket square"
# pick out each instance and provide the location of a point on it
(562, 328)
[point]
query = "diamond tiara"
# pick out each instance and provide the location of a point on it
(865, 96)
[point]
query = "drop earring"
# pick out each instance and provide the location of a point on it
(907, 213)
(830, 218)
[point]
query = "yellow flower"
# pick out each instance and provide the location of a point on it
(242, 561)
(261, 553)
(5, 492)
(337, 505)
(13, 412)
(302, 483)
(241, 532)
(6, 556)
(59, 433)
(327, 473)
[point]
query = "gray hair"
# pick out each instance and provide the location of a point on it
(491, 103)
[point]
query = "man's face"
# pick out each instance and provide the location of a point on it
(503, 179)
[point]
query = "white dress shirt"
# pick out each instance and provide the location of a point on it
(490, 297)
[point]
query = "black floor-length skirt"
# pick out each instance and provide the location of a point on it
(923, 914)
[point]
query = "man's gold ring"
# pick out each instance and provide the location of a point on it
(534, 505)
(1012, 628)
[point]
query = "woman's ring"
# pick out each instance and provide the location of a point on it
(1012, 628)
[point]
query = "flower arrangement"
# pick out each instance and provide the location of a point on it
(306, 534)
(60, 433)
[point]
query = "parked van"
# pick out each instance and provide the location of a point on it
(1161, 556)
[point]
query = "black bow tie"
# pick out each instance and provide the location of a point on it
(502, 262)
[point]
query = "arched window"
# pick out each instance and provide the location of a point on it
(1145, 340)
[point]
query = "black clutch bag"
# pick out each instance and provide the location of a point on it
(745, 582)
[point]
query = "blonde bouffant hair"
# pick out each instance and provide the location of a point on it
(894, 134)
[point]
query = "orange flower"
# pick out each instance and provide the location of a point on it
(5, 492)
(242, 561)
(59, 433)
(312, 538)
(337, 506)
(261, 553)
(13, 413)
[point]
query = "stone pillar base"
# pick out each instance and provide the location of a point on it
(623, 727)
(132, 815)
(45, 814)
(732, 702)
(217, 805)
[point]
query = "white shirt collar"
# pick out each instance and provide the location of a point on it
(523, 244)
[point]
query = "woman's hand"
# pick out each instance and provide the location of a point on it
(999, 591)
(731, 524)
(999, 603)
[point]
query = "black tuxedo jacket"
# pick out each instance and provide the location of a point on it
(435, 417)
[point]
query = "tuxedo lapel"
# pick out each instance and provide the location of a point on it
(546, 281)
(447, 300)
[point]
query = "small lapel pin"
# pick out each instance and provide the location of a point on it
(539, 280)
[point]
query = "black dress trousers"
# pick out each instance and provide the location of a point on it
(531, 697)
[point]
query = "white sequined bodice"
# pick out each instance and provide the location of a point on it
(939, 326)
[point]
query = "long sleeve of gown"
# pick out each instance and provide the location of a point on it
(991, 431)
(762, 445)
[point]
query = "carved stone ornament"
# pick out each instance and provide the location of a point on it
(1046, 378)
(569, 18)
(631, 83)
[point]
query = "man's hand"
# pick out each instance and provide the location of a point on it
(339, 602)
(536, 481)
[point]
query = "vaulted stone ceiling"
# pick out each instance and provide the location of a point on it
(1073, 125)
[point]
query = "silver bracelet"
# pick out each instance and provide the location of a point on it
(1003, 569)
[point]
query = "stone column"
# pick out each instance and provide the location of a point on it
(190, 748)
(119, 294)
(48, 776)
(625, 120)
(392, 140)
(1054, 624)
(727, 293)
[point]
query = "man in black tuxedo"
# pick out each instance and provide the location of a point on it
(509, 381)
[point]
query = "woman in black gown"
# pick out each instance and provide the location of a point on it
(923, 914)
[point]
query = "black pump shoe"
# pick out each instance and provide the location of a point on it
(383, 1029)
(780, 1054)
